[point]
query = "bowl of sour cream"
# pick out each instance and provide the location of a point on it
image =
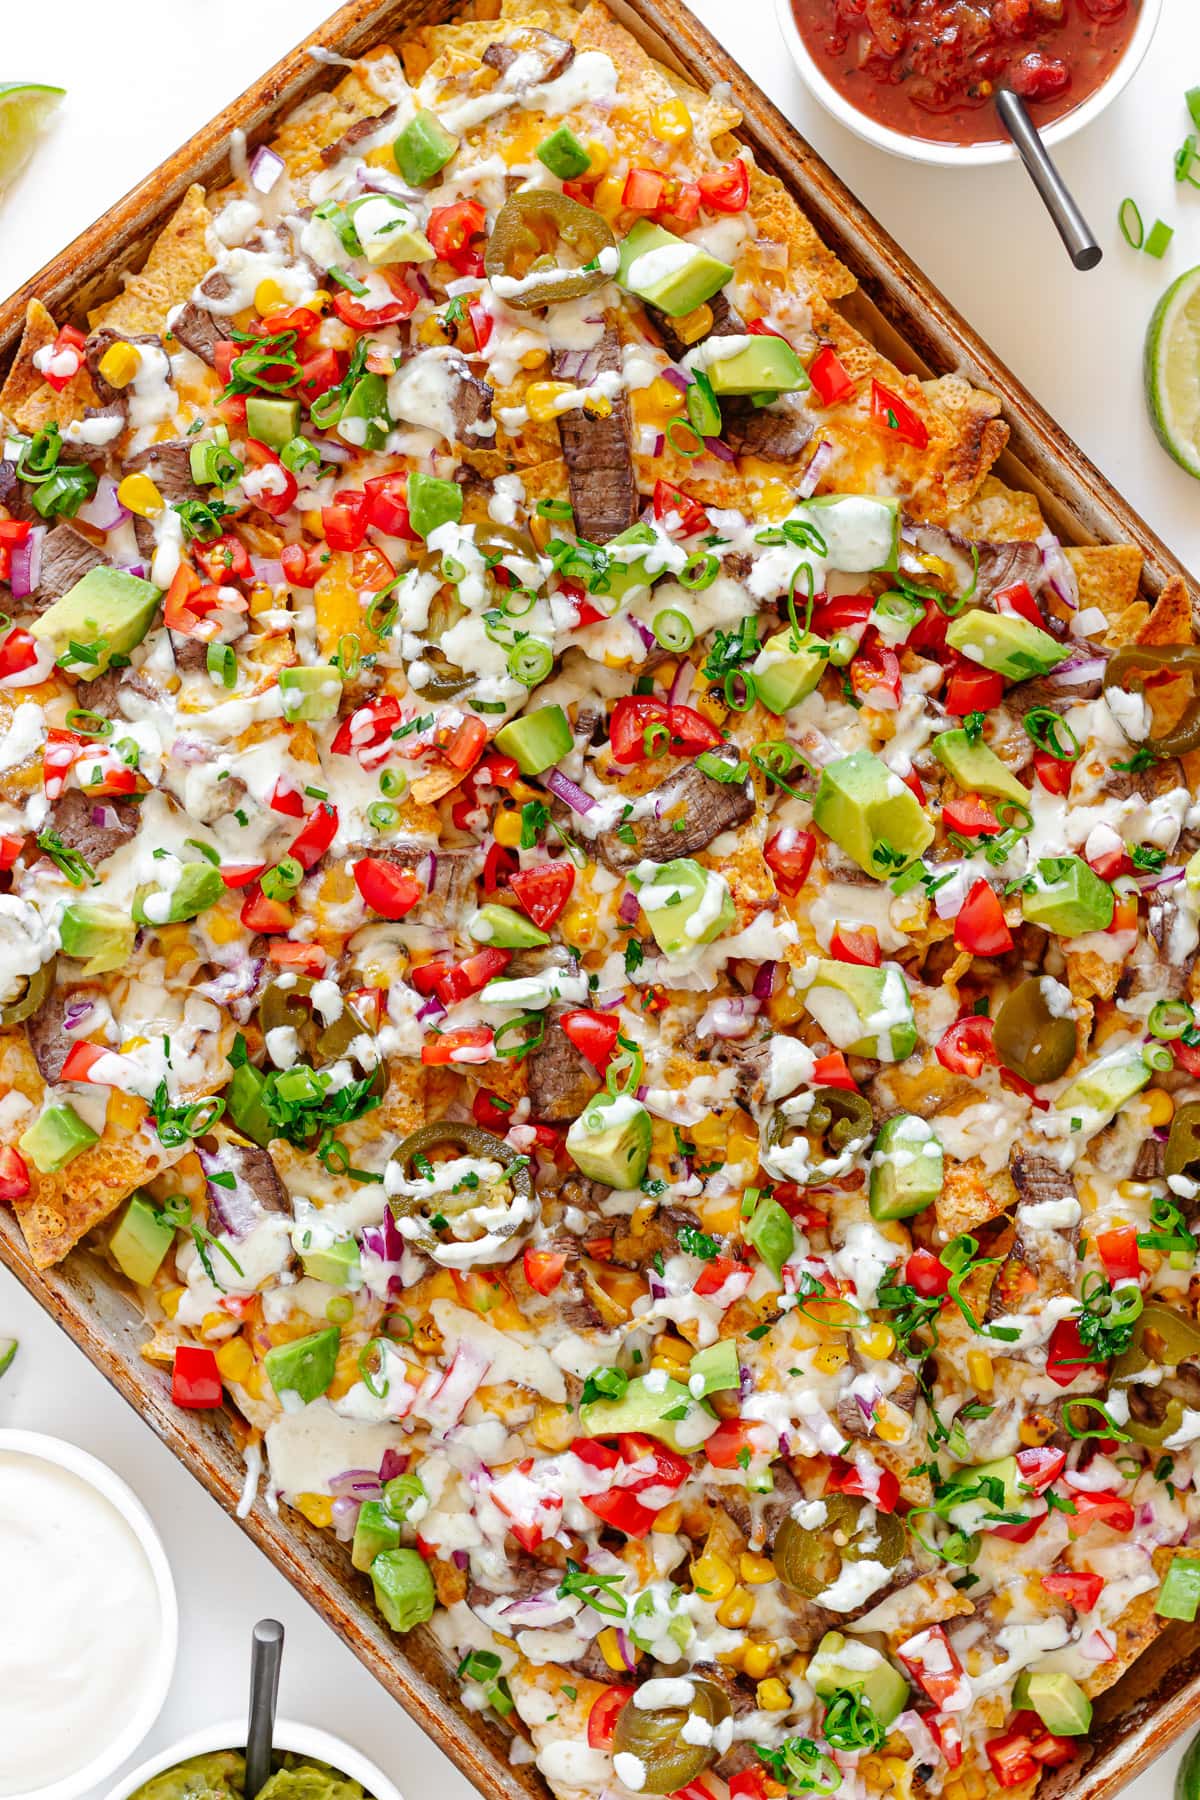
(90, 1620)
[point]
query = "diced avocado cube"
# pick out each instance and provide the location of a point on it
(865, 1011)
(432, 502)
(1059, 1702)
(1178, 1597)
(107, 613)
(364, 420)
(714, 1370)
(765, 365)
(656, 1405)
(685, 904)
(244, 1105)
(388, 231)
(272, 420)
(870, 814)
(861, 531)
(141, 1240)
(311, 691)
(336, 1263)
(784, 676)
(199, 886)
(306, 1366)
(404, 1591)
(563, 154)
(770, 1231)
(666, 272)
(375, 1530)
(1105, 1086)
(906, 1167)
(1068, 897)
(57, 1136)
(537, 740)
(1006, 643)
(610, 1140)
(423, 147)
(505, 927)
(976, 768)
(100, 936)
(841, 1664)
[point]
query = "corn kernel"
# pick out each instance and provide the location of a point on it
(599, 160)
(892, 1429)
(755, 1569)
(662, 395)
(1039, 1428)
(668, 1518)
(170, 1301)
(610, 1650)
(541, 399)
(234, 1359)
(320, 300)
(533, 359)
(597, 406)
(895, 1769)
(979, 1368)
(742, 1147)
(140, 495)
(877, 1342)
(214, 1322)
(120, 363)
(712, 1577)
(255, 1383)
(759, 1660)
(694, 325)
(772, 1696)
(673, 1350)
(871, 1771)
(609, 194)
(222, 927)
(317, 1508)
(313, 522)
(125, 1111)
(262, 599)
(1160, 1108)
(830, 1358)
(507, 828)
(431, 331)
(553, 1425)
(269, 297)
(671, 122)
(521, 790)
(736, 1610)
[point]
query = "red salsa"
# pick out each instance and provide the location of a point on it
(928, 68)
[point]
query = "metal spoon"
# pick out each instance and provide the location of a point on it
(266, 1654)
(1072, 227)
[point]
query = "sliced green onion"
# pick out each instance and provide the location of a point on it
(393, 783)
(703, 408)
(749, 690)
(718, 768)
(1016, 817)
(530, 661)
(1169, 1018)
(673, 629)
(1110, 1428)
(531, 1023)
(382, 816)
(340, 1310)
(221, 663)
(699, 571)
(350, 282)
(88, 724)
(281, 882)
(1130, 221)
(369, 1368)
(555, 509)
(349, 654)
(1158, 1058)
(40, 456)
(400, 1495)
(625, 1069)
(299, 453)
(656, 739)
(64, 492)
(680, 449)
(778, 759)
(1158, 239)
(843, 647)
(509, 598)
(1193, 105)
(1044, 727)
(1186, 158)
(800, 632)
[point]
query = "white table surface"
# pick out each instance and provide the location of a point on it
(154, 72)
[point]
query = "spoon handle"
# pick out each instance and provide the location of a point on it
(1073, 228)
(266, 1654)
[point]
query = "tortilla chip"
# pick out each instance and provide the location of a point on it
(178, 260)
(641, 75)
(1171, 620)
(1108, 576)
(978, 434)
(29, 400)
(1001, 514)
(1138, 1626)
(64, 1207)
(779, 220)
(970, 1197)
(1126, 626)
(321, 120)
(1090, 976)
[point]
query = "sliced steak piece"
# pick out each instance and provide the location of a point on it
(254, 1166)
(471, 406)
(453, 886)
(759, 1516)
(660, 1236)
(66, 558)
(169, 467)
(727, 322)
(74, 817)
(598, 452)
(354, 134)
(541, 54)
(561, 1079)
(198, 331)
(97, 346)
(775, 433)
(1042, 1261)
(46, 1030)
(14, 495)
(705, 808)
(1000, 562)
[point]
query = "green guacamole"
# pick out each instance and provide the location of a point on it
(221, 1775)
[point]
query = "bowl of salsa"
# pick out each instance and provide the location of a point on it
(918, 77)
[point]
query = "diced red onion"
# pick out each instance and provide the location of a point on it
(237, 1209)
(1079, 669)
(745, 1382)
(867, 1404)
(134, 568)
(569, 364)
(432, 1009)
(658, 1287)
(344, 1516)
(677, 379)
(569, 792)
(360, 1484)
(418, 279)
(660, 444)
(104, 817)
(104, 511)
(379, 181)
(764, 981)
(383, 1241)
(395, 1462)
(721, 451)
(433, 869)
(331, 450)
(681, 687)
(76, 1013)
(190, 750)
(268, 569)
(626, 1651)
(536, 1610)
(948, 899)
(629, 908)
(1160, 878)
(1058, 571)
(460, 1559)
(644, 632)
(1098, 1647)
(731, 1018)
(266, 166)
(818, 462)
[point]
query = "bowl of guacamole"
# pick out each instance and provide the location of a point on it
(309, 1764)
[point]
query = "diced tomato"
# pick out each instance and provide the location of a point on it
(188, 601)
(276, 496)
(262, 914)
(594, 1034)
(932, 1661)
(425, 976)
(482, 323)
(14, 1175)
(10, 848)
(927, 1274)
(195, 1377)
(352, 312)
(716, 1273)
(488, 1109)
(967, 1046)
(14, 532)
(319, 372)
(1040, 1465)
(1019, 601)
(680, 201)
(287, 799)
(544, 1269)
(1118, 1251)
(388, 890)
(1067, 1355)
(320, 829)
(948, 1733)
(498, 866)
(80, 1059)
(970, 816)
(834, 1071)
(928, 636)
(893, 414)
(729, 1440)
(643, 190)
(789, 856)
(387, 506)
(466, 746)
(451, 230)
(18, 651)
(693, 1790)
(602, 1719)
(470, 1044)
(595, 1453)
(1108, 864)
(1027, 1529)
(830, 378)
(544, 890)
(345, 519)
(748, 1784)
(882, 1488)
(367, 727)
(1125, 914)
(914, 784)
(1053, 773)
(670, 1468)
(1011, 1759)
(1099, 1509)
(668, 498)
(471, 975)
(980, 927)
(972, 689)
(227, 558)
(859, 944)
(842, 613)
(300, 319)
(67, 349)
(1078, 1587)
(309, 958)
(622, 1510)
(677, 730)
(240, 875)
(304, 565)
(726, 189)
(875, 673)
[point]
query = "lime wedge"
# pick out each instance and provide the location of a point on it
(1173, 371)
(25, 107)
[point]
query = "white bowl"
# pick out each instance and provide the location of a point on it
(953, 156)
(99, 1476)
(230, 1734)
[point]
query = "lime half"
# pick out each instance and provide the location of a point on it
(25, 107)
(1173, 371)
